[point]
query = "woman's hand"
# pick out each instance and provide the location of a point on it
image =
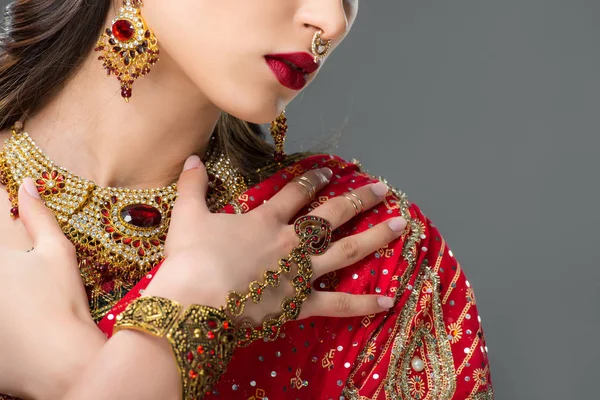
(46, 332)
(208, 255)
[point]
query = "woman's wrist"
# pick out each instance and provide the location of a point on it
(51, 373)
(183, 286)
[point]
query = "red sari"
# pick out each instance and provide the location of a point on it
(430, 345)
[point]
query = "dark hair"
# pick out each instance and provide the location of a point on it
(45, 42)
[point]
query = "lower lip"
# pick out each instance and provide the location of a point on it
(286, 75)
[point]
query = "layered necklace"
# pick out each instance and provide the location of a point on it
(118, 233)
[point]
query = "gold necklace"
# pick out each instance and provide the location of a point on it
(118, 233)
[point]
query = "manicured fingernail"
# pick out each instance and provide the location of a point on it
(327, 173)
(385, 302)
(30, 188)
(397, 224)
(380, 189)
(191, 163)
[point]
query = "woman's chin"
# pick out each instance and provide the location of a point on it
(262, 115)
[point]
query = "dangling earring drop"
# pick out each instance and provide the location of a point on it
(128, 47)
(319, 47)
(278, 129)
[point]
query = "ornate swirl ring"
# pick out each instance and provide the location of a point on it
(314, 233)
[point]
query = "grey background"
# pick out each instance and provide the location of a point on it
(486, 113)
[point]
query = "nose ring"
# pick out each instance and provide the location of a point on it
(319, 47)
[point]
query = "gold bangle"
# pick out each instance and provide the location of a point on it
(154, 315)
(203, 341)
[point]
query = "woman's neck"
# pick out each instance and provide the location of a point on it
(90, 130)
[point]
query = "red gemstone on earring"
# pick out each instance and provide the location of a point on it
(126, 93)
(141, 215)
(123, 30)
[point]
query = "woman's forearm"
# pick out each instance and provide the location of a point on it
(35, 370)
(131, 365)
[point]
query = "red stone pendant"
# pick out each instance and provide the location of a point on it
(141, 215)
(123, 30)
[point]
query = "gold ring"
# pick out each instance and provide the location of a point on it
(353, 197)
(314, 233)
(307, 184)
(362, 205)
(347, 195)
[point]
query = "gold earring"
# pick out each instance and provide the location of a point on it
(278, 129)
(319, 47)
(128, 47)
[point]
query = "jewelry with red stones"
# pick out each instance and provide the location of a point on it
(236, 302)
(118, 233)
(128, 47)
(314, 233)
(278, 130)
(315, 237)
(203, 338)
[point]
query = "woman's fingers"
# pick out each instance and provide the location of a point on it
(341, 209)
(191, 200)
(296, 194)
(39, 221)
(341, 305)
(352, 249)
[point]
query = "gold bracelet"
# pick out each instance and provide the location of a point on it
(203, 338)
(203, 341)
(154, 315)
(315, 236)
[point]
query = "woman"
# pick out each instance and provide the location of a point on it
(77, 154)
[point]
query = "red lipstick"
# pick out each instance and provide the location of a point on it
(292, 69)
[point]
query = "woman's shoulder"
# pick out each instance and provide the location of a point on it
(430, 344)
(433, 299)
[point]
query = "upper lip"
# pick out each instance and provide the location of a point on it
(302, 61)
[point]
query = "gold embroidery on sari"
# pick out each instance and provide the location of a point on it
(259, 395)
(438, 262)
(327, 361)
(439, 365)
(480, 378)
(411, 239)
(430, 333)
(487, 395)
(297, 382)
(452, 283)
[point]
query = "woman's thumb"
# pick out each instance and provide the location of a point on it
(39, 221)
(193, 184)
